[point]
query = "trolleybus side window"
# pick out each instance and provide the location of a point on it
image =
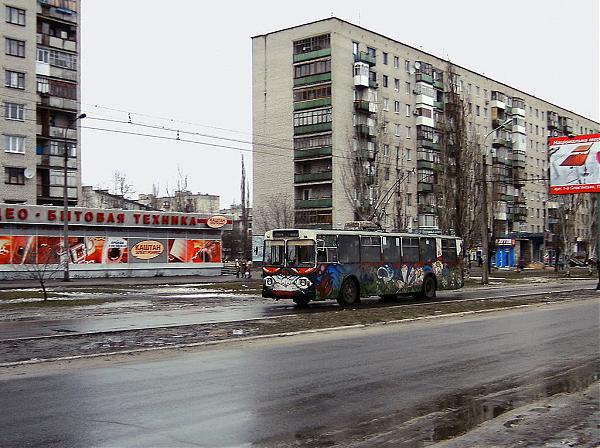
(326, 249)
(348, 249)
(449, 250)
(410, 250)
(274, 252)
(427, 250)
(370, 248)
(391, 249)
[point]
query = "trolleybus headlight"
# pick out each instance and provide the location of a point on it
(269, 282)
(302, 282)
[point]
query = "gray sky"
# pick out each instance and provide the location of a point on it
(186, 65)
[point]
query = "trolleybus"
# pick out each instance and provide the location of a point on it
(305, 265)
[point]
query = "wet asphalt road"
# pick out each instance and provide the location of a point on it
(199, 314)
(328, 389)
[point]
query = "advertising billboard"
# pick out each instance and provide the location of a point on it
(575, 164)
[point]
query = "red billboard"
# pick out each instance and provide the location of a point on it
(575, 164)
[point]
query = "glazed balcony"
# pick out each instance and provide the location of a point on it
(365, 57)
(323, 176)
(311, 104)
(315, 54)
(312, 79)
(312, 128)
(314, 203)
(312, 152)
(365, 106)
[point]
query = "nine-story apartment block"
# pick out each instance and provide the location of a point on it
(40, 101)
(329, 94)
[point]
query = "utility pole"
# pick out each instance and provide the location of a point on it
(67, 277)
(485, 244)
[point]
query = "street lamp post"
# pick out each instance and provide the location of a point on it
(66, 200)
(484, 212)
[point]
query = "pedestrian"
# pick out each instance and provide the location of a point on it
(479, 261)
(237, 268)
(243, 268)
(249, 269)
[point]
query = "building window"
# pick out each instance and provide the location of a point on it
(407, 88)
(408, 110)
(15, 16)
(14, 80)
(386, 150)
(385, 126)
(15, 176)
(386, 104)
(397, 130)
(385, 80)
(408, 154)
(407, 66)
(385, 58)
(14, 144)
(15, 47)
(371, 51)
(396, 84)
(43, 85)
(485, 112)
(354, 47)
(312, 117)
(311, 68)
(397, 107)
(396, 62)
(478, 111)
(14, 111)
(57, 178)
(408, 132)
(386, 173)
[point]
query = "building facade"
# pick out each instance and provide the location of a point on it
(349, 124)
(182, 201)
(97, 198)
(40, 101)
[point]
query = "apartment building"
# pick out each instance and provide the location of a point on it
(40, 101)
(329, 94)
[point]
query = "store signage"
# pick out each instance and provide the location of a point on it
(505, 242)
(147, 249)
(37, 214)
(216, 222)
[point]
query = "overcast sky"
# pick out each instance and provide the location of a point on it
(186, 65)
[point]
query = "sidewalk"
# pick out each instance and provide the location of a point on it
(125, 281)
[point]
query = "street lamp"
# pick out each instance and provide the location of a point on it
(66, 200)
(484, 213)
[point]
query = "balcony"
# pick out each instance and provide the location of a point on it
(56, 132)
(365, 57)
(56, 42)
(312, 128)
(312, 152)
(552, 221)
(373, 84)
(315, 54)
(424, 77)
(50, 192)
(367, 154)
(365, 130)
(365, 106)
(438, 84)
(56, 102)
(52, 9)
(314, 203)
(312, 177)
(424, 187)
(46, 160)
(312, 79)
(424, 143)
(438, 105)
(312, 104)
(426, 209)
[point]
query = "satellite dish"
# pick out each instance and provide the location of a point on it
(411, 70)
(28, 173)
(417, 65)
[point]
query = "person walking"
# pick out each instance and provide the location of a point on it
(237, 268)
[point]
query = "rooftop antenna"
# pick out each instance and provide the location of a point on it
(359, 17)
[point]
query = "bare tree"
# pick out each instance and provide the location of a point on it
(181, 198)
(43, 262)
(460, 154)
(276, 213)
(568, 206)
(363, 171)
(120, 185)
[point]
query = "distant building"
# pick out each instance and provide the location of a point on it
(97, 198)
(233, 239)
(182, 201)
(40, 101)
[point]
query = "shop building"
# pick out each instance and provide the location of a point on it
(109, 242)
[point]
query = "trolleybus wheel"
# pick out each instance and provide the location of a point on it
(428, 287)
(348, 293)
